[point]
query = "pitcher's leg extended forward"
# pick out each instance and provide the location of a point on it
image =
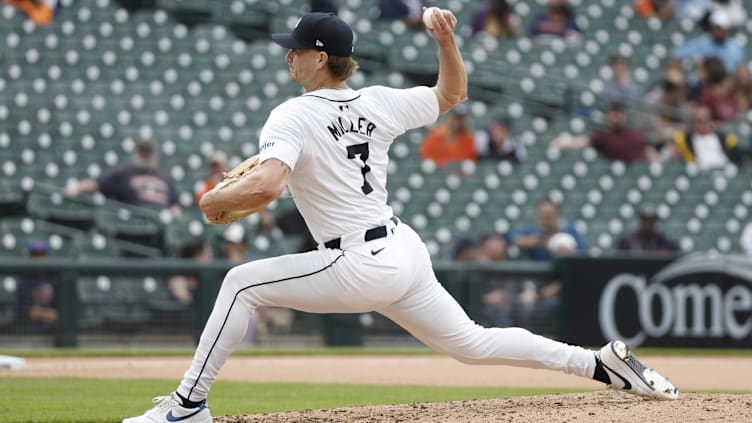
(432, 315)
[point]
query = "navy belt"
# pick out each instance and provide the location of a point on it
(371, 234)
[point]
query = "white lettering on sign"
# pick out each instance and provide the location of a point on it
(712, 312)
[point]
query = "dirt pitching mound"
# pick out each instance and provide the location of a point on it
(598, 407)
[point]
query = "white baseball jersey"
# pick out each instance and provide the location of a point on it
(337, 144)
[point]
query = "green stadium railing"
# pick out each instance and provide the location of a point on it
(463, 281)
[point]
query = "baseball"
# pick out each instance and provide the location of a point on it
(427, 21)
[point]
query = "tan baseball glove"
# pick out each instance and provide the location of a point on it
(240, 171)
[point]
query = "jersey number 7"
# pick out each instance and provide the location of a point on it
(362, 151)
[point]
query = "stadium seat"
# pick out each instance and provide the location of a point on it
(94, 244)
(139, 226)
(18, 232)
(56, 208)
(12, 199)
(158, 296)
(94, 298)
(129, 309)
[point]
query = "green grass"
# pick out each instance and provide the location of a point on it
(86, 400)
(80, 400)
(261, 352)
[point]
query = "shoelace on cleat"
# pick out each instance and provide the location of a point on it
(637, 367)
(163, 406)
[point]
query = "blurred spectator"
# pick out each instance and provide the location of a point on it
(562, 244)
(497, 142)
(41, 12)
(139, 183)
(492, 247)
(732, 8)
(534, 240)
(495, 19)
(488, 248)
(743, 88)
(534, 303)
(665, 108)
(497, 296)
(746, 239)
(538, 302)
(36, 309)
(647, 236)
(450, 141)
(182, 287)
(510, 301)
(703, 144)
(464, 250)
(620, 88)
(616, 142)
(661, 9)
(410, 11)
(710, 68)
(691, 10)
(717, 94)
(217, 168)
(717, 43)
(497, 302)
(499, 291)
(324, 6)
(557, 21)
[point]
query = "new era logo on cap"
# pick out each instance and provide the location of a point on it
(319, 31)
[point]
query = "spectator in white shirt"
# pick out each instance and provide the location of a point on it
(703, 144)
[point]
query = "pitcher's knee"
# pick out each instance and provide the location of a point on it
(230, 282)
(236, 280)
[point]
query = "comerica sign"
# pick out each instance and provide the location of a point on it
(699, 300)
(683, 310)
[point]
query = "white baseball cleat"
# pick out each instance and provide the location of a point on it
(170, 409)
(629, 375)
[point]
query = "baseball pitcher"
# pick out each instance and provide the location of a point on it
(330, 147)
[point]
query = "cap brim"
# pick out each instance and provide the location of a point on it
(286, 40)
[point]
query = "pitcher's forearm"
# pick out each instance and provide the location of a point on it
(452, 83)
(451, 86)
(252, 192)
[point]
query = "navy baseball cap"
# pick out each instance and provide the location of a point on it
(319, 31)
(39, 247)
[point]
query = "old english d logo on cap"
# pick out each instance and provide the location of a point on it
(319, 31)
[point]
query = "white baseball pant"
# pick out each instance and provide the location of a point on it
(390, 275)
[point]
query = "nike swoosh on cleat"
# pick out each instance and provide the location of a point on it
(627, 385)
(171, 418)
(373, 253)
